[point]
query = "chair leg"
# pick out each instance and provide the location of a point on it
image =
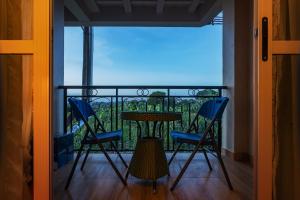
(174, 154)
(112, 164)
(127, 174)
(85, 158)
(224, 170)
(207, 160)
(184, 168)
(74, 167)
(154, 184)
(120, 156)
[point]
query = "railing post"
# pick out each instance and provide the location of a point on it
(163, 104)
(174, 110)
(117, 107)
(71, 118)
(189, 109)
(220, 127)
(111, 113)
(65, 110)
(168, 128)
(122, 123)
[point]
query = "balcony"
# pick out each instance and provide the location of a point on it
(108, 102)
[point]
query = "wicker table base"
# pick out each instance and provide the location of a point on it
(149, 159)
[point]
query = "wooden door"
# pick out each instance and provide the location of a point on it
(25, 36)
(267, 47)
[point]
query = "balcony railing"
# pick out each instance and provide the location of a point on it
(109, 101)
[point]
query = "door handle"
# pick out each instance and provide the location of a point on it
(265, 38)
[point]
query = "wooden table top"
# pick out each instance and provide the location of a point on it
(151, 116)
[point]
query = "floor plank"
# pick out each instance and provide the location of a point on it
(98, 181)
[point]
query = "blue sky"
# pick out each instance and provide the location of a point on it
(148, 56)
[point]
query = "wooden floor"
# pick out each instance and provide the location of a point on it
(98, 181)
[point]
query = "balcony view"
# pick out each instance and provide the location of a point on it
(170, 55)
(124, 72)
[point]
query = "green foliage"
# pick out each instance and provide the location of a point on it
(207, 92)
(156, 98)
(133, 105)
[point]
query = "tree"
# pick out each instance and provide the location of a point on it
(133, 104)
(207, 92)
(156, 98)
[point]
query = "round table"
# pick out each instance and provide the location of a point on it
(149, 160)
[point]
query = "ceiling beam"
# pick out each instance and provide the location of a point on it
(177, 3)
(117, 17)
(109, 3)
(75, 9)
(91, 5)
(194, 5)
(145, 3)
(210, 10)
(167, 23)
(127, 6)
(160, 6)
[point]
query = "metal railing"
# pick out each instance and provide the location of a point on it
(109, 101)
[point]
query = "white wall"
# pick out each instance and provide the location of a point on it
(237, 76)
(229, 72)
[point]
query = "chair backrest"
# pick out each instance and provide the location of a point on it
(210, 110)
(213, 109)
(82, 111)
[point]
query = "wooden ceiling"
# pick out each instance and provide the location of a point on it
(141, 12)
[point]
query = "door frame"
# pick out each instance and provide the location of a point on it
(263, 122)
(39, 48)
(263, 106)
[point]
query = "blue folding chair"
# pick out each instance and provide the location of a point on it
(82, 112)
(212, 112)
